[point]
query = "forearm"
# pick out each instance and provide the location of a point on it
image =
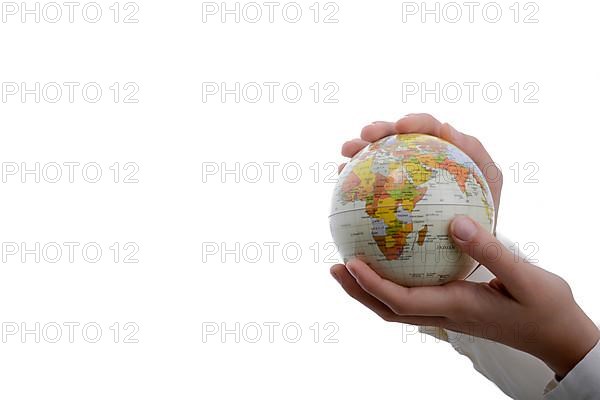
(521, 375)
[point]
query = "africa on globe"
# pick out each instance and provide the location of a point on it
(393, 204)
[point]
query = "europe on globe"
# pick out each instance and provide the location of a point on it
(393, 204)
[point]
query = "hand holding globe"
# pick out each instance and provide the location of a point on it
(521, 293)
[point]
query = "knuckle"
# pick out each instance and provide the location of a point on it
(446, 128)
(564, 285)
(475, 141)
(427, 116)
(500, 177)
(459, 294)
(365, 132)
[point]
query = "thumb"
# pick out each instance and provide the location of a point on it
(472, 239)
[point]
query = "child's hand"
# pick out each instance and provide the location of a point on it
(524, 307)
(425, 123)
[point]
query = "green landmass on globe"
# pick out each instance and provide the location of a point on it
(393, 204)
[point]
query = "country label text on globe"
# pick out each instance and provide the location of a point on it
(394, 202)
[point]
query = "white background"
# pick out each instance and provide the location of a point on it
(174, 212)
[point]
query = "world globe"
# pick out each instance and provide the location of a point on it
(393, 204)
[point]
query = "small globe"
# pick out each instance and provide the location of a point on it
(393, 204)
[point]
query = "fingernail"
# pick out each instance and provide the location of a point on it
(463, 228)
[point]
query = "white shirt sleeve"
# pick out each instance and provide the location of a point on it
(582, 382)
(519, 374)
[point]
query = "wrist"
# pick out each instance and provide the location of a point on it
(572, 345)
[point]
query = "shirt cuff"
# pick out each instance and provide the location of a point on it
(582, 382)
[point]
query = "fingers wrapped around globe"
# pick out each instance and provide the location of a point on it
(455, 303)
(512, 309)
(429, 125)
(413, 215)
